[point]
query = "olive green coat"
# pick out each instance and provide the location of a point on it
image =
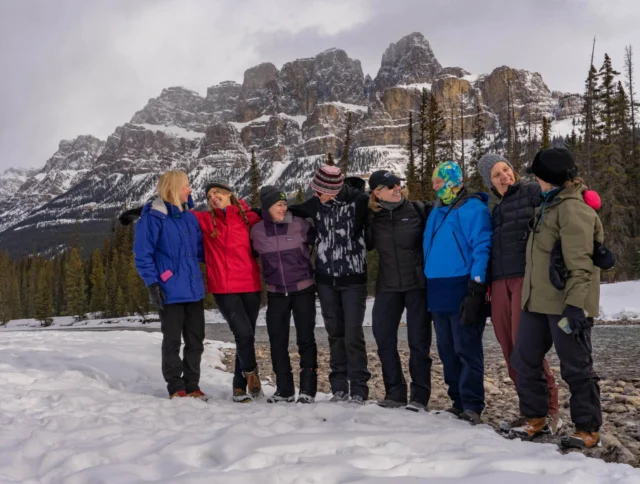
(566, 217)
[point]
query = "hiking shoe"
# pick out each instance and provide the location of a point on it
(555, 423)
(199, 394)
(357, 399)
(179, 394)
(470, 416)
(416, 406)
(277, 398)
(454, 410)
(339, 397)
(504, 427)
(533, 427)
(305, 398)
(581, 440)
(240, 395)
(387, 403)
(253, 384)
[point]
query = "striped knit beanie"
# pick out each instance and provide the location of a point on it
(328, 180)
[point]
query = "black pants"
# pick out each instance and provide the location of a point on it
(387, 311)
(240, 310)
(279, 309)
(343, 310)
(182, 320)
(536, 334)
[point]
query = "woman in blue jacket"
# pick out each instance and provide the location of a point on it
(167, 248)
(457, 244)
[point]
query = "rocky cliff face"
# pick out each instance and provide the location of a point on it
(291, 117)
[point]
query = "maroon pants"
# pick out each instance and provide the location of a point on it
(506, 297)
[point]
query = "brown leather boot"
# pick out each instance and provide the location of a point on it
(533, 427)
(253, 384)
(581, 440)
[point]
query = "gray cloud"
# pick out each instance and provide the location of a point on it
(74, 67)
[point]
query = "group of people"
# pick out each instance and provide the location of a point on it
(452, 262)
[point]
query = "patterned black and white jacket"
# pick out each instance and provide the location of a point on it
(341, 251)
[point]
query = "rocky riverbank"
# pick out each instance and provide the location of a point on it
(620, 398)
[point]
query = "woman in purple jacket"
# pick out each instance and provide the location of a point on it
(283, 241)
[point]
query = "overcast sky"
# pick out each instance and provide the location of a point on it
(71, 67)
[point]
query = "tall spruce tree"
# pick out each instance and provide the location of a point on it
(75, 287)
(254, 181)
(422, 133)
(344, 159)
(44, 296)
(299, 195)
(330, 161)
(474, 180)
(413, 181)
(630, 82)
(98, 302)
(589, 119)
(437, 146)
(546, 133)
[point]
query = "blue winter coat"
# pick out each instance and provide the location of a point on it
(167, 248)
(456, 249)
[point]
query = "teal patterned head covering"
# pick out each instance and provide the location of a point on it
(450, 172)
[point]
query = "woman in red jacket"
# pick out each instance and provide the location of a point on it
(233, 277)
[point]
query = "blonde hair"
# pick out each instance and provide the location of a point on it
(374, 201)
(169, 186)
(574, 182)
(234, 202)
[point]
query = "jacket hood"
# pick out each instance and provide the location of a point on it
(160, 208)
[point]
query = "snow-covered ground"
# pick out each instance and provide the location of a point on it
(80, 407)
(618, 301)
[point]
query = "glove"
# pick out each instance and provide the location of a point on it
(130, 216)
(156, 296)
(579, 323)
(473, 305)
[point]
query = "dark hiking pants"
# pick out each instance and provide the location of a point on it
(279, 309)
(460, 349)
(387, 311)
(536, 334)
(343, 309)
(177, 321)
(240, 310)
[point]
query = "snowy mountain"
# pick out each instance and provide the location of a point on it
(291, 117)
(12, 179)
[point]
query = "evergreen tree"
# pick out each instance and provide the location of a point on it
(463, 161)
(7, 281)
(299, 195)
(344, 159)
(474, 180)
(75, 288)
(254, 180)
(437, 147)
(588, 111)
(44, 297)
(98, 302)
(120, 305)
(630, 82)
(422, 130)
(330, 161)
(413, 182)
(546, 133)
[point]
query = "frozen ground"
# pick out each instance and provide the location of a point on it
(87, 407)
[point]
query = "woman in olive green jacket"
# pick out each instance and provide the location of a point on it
(559, 317)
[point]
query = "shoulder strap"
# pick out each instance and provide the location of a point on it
(419, 207)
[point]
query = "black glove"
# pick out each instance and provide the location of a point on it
(156, 296)
(473, 305)
(578, 322)
(130, 216)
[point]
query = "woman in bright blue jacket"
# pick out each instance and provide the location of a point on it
(457, 245)
(167, 248)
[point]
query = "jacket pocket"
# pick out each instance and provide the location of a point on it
(455, 237)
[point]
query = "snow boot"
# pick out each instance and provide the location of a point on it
(277, 398)
(178, 394)
(470, 416)
(357, 399)
(581, 440)
(533, 427)
(388, 403)
(416, 406)
(504, 427)
(339, 397)
(253, 384)
(305, 398)
(199, 394)
(452, 410)
(240, 395)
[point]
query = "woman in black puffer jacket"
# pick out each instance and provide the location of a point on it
(516, 206)
(396, 230)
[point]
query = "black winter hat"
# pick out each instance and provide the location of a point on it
(385, 178)
(211, 185)
(270, 195)
(554, 165)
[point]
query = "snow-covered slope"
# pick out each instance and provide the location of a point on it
(87, 407)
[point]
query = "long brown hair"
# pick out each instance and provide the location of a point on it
(235, 203)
